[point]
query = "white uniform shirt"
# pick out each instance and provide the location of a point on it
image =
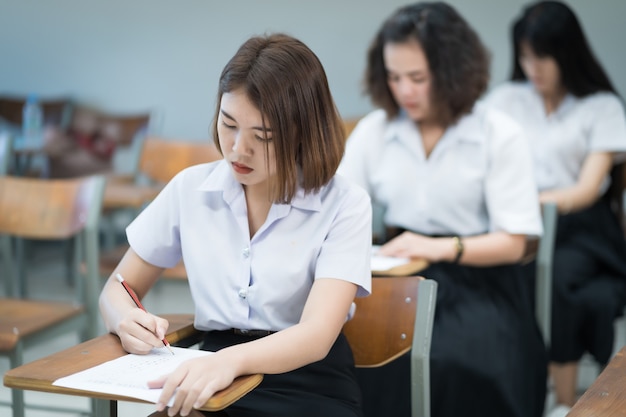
(263, 282)
(561, 141)
(477, 179)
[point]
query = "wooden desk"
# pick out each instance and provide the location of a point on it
(606, 397)
(40, 374)
(414, 267)
(122, 195)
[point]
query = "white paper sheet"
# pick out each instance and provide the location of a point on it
(383, 263)
(129, 375)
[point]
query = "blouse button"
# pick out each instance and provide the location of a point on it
(243, 293)
(246, 252)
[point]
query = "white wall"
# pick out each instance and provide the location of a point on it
(165, 56)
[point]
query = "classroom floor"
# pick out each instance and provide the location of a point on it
(46, 279)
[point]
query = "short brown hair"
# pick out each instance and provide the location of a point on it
(285, 80)
(457, 59)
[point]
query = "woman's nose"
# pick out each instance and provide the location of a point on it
(240, 144)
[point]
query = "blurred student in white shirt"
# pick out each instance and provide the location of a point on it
(455, 179)
(575, 124)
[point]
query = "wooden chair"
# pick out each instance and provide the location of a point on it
(48, 210)
(161, 159)
(67, 159)
(56, 111)
(134, 128)
(395, 319)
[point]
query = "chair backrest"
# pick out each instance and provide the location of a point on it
(56, 111)
(543, 280)
(36, 208)
(131, 130)
(395, 319)
(45, 209)
(162, 159)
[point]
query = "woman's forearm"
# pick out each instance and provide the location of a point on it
(493, 249)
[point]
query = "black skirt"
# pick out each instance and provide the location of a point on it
(488, 358)
(589, 277)
(324, 388)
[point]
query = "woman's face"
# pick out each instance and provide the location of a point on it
(243, 139)
(409, 78)
(542, 71)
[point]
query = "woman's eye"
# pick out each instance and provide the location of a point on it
(262, 139)
(227, 126)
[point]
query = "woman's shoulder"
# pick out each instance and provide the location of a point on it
(196, 175)
(601, 101)
(375, 117)
(345, 190)
(493, 122)
(370, 125)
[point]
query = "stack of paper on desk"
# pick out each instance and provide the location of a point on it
(384, 263)
(128, 375)
(392, 266)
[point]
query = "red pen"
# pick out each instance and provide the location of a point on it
(138, 304)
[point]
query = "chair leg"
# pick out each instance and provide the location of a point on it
(70, 261)
(104, 408)
(8, 270)
(17, 395)
(21, 267)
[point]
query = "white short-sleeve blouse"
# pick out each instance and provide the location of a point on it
(477, 179)
(561, 141)
(263, 282)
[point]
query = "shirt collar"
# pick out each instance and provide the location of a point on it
(466, 129)
(469, 127)
(221, 180)
(564, 106)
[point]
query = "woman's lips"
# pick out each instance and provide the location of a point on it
(241, 168)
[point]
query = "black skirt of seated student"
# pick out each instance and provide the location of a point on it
(589, 283)
(487, 355)
(325, 388)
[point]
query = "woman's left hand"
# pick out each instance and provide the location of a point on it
(413, 245)
(194, 381)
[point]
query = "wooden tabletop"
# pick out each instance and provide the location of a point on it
(415, 266)
(128, 195)
(40, 374)
(606, 397)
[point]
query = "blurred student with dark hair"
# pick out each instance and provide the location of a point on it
(575, 124)
(455, 181)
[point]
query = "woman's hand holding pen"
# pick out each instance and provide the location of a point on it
(195, 381)
(140, 331)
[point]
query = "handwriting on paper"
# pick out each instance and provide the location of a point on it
(128, 375)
